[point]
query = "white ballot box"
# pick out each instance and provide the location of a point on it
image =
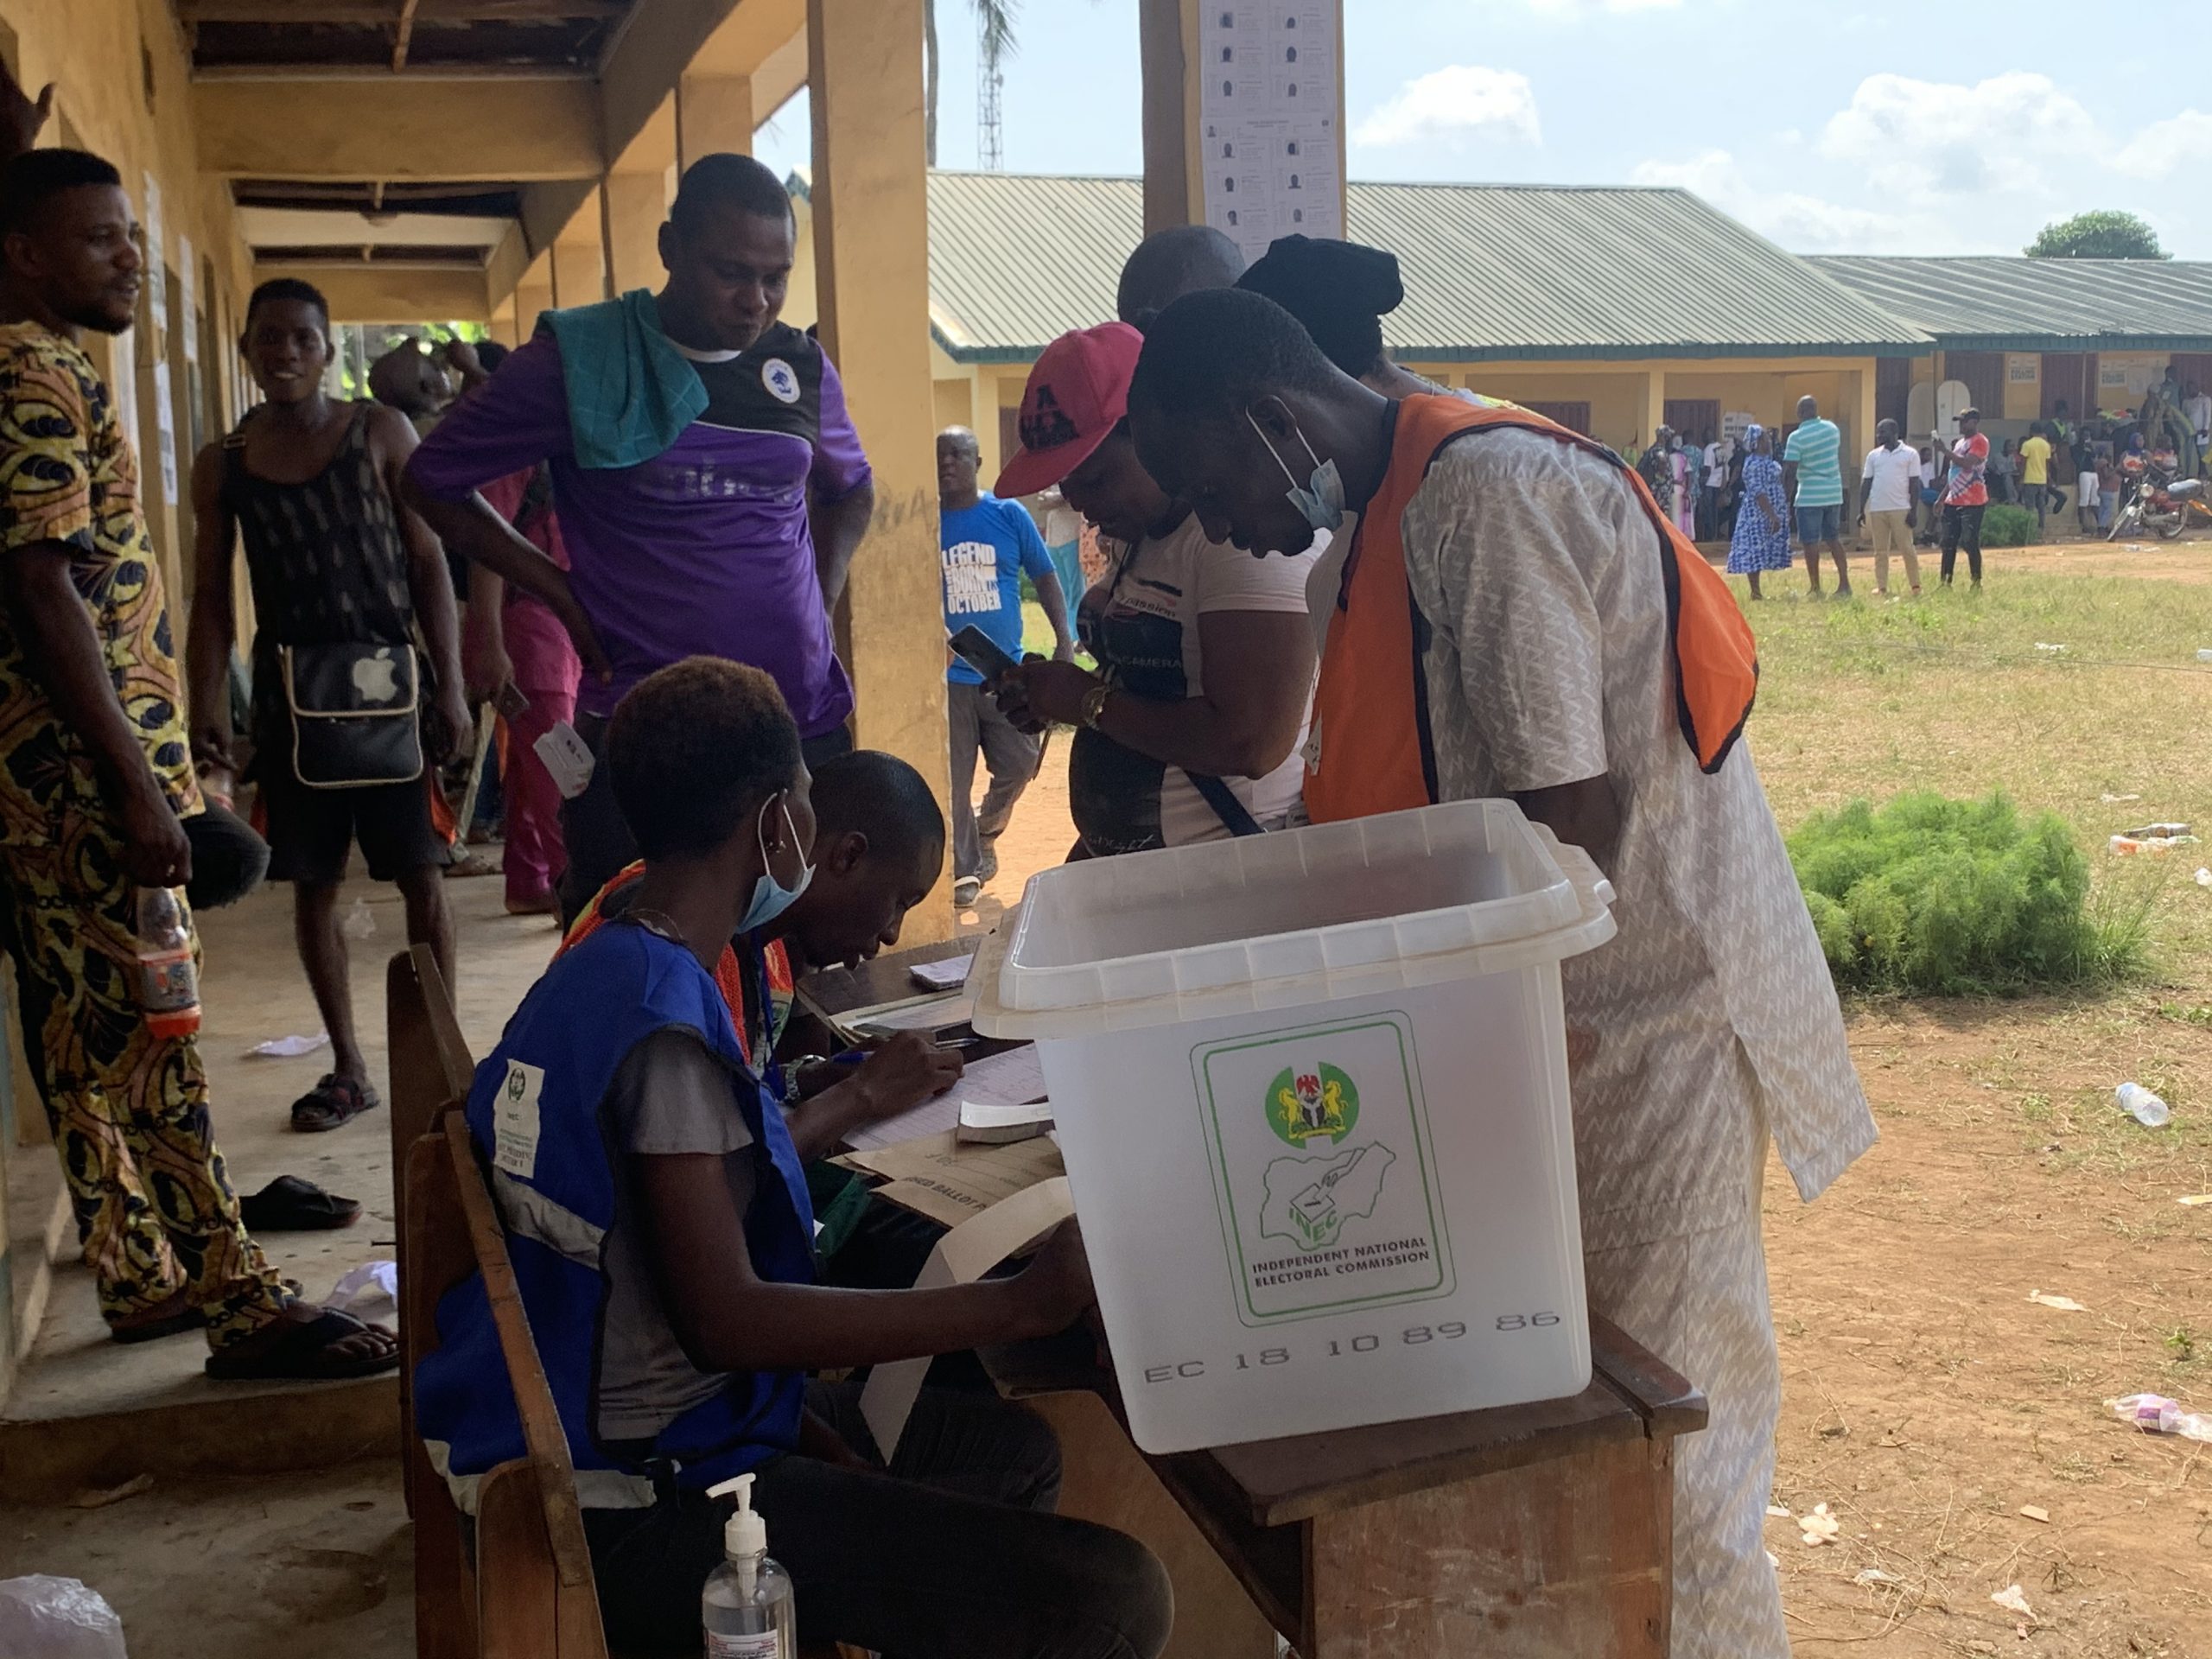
(1311, 1089)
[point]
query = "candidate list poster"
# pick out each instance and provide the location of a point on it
(1268, 114)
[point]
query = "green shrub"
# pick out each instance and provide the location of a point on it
(1940, 897)
(2007, 525)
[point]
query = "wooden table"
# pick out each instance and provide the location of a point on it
(1544, 1529)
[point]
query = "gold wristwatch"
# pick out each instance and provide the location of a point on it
(1094, 702)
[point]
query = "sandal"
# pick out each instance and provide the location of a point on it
(289, 1204)
(334, 1102)
(168, 1318)
(300, 1351)
(474, 861)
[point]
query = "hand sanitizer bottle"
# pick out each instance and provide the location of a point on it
(747, 1606)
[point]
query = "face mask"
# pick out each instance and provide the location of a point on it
(771, 899)
(1322, 505)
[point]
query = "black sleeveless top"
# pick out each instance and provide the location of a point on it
(324, 557)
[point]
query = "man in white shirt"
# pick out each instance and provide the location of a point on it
(1889, 498)
(2199, 407)
(1718, 451)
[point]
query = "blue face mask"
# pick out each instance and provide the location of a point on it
(1322, 503)
(771, 899)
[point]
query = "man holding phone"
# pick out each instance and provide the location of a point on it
(987, 546)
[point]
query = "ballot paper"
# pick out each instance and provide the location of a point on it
(949, 974)
(972, 1248)
(984, 1124)
(1013, 1078)
(947, 1181)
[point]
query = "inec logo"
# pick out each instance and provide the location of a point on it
(1309, 1103)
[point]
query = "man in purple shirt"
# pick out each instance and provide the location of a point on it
(727, 535)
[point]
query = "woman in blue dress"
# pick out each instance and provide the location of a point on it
(1762, 537)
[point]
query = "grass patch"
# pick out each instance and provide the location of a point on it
(1949, 693)
(1931, 896)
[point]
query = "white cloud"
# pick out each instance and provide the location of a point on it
(1938, 139)
(2166, 146)
(1454, 104)
(1803, 223)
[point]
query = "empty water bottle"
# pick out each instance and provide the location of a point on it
(168, 979)
(2139, 1103)
(2156, 1414)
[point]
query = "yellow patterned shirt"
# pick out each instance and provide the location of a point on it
(67, 475)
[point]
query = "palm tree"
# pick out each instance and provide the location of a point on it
(995, 44)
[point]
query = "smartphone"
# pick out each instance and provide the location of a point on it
(510, 703)
(977, 649)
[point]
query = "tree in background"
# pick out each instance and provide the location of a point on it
(994, 37)
(2102, 235)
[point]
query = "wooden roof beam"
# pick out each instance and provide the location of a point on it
(398, 129)
(379, 12)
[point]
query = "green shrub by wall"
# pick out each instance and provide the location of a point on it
(2007, 525)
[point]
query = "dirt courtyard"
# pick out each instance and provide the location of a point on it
(1928, 1402)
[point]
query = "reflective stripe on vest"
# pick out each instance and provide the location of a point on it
(1371, 750)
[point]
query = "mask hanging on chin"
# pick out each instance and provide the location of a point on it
(1322, 501)
(771, 899)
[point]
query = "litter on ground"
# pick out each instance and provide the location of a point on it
(2063, 1304)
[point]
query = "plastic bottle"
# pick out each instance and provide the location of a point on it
(2156, 1414)
(747, 1606)
(2144, 1106)
(169, 980)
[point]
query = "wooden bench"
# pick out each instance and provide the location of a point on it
(529, 1593)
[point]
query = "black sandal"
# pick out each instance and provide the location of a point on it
(289, 1204)
(302, 1353)
(334, 1102)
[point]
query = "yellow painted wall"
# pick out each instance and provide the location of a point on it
(121, 74)
(2023, 385)
(955, 403)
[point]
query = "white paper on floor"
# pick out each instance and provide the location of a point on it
(290, 1048)
(371, 1281)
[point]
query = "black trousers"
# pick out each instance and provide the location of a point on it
(598, 844)
(950, 1554)
(1962, 528)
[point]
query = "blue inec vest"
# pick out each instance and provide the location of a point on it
(534, 1115)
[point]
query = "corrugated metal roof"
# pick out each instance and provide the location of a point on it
(2040, 305)
(1491, 271)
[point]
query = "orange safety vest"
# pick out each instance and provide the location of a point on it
(1370, 707)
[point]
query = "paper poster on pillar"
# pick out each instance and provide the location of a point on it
(165, 428)
(158, 299)
(187, 299)
(1268, 117)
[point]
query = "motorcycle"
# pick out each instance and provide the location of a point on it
(2154, 499)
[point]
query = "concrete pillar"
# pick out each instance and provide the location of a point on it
(871, 228)
(505, 328)
(534, 295)
(632, 207)
(579, 274)
(1858, 436)
(1167, 40)
(1655, 406)
(713, 113)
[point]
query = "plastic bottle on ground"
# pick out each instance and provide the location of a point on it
(169, 980)
(2140, 1104)
(2156, 1414)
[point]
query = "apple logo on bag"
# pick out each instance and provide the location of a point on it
(376, 679)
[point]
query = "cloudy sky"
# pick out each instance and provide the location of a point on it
(1829, 125)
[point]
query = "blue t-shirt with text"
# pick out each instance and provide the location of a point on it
(987, 550)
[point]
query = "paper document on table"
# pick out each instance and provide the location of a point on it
(950, 974)
(940, 1177)
(1013, 1078)
(931, 1117)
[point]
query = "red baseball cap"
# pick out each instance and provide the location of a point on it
(1077, 394)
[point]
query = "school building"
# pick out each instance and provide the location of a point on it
(2014, 337)
(1612, 310)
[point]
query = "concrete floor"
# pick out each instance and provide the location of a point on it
(252, 990)
(228, 1568)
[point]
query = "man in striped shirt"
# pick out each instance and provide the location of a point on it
(1812, 477)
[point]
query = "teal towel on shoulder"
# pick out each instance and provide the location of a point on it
(631, 392)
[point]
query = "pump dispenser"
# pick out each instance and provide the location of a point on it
(747, 1607)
